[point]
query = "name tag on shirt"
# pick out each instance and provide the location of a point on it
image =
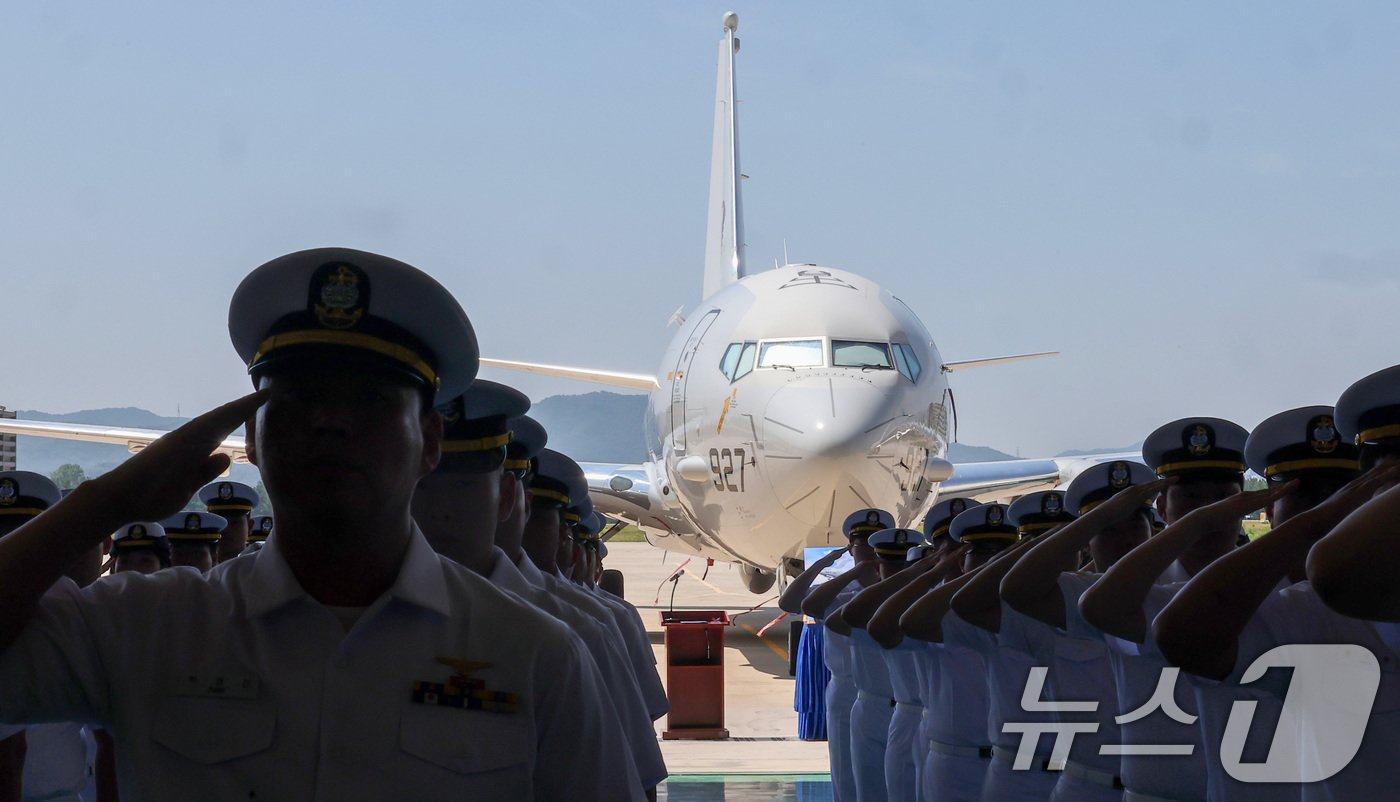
(226, 686)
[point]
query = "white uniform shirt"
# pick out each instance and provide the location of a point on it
(1137, 669)
(55, 762)
(904, 675)
(836, 648)
(638, 628)
(1003, 667)
(572, 594)
(925, 669)
(1081, 672)
(1214, 701)
(623, 696)
(634, 638)
(1296, 615)
(926, 673)
(606, 626)
(237, 683)
(960, 705)
(1022, 644)
(871, 674)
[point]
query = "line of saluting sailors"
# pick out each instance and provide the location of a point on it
(425, 623)
(1075, 610)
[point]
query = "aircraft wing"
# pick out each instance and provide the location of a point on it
(963, 364)
(992, 481)
(632, 381)
(1006, 479)
(133, 439)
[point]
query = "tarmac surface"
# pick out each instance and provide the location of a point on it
(758, 690)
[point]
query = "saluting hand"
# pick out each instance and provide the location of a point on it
(925, 563)
(160, 479)
(830, 558)
(1227, 512)
(1129, 500)
(1322, 518)
(949, 562)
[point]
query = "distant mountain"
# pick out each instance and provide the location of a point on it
(131, 417)
(597, 427)
(43, 454)
(593, 427)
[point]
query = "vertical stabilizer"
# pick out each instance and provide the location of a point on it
(724, 236)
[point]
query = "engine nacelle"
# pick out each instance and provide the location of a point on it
(757, 580)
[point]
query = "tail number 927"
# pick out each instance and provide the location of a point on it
(722, 464)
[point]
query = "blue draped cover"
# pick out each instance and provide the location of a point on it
(809, 696)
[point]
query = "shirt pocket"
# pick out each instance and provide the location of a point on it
(465, 741)
(213, 730)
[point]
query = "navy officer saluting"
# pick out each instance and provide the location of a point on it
(1203, 506)
(345, 660)
(1246, 602)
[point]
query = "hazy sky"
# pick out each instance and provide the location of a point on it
(1196, 202)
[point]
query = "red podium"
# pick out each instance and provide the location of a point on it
(695, 674)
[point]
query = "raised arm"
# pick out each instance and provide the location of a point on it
(979, 601)
(861, 609)
(1032, 586)
(924, 620)
(818, 602)
(796, 593)
(1114, 604)
(1353, 568)
(1200, 629)
(884, 625)
(151, 485)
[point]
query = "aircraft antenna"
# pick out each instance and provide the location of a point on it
(677, 317)
(786, 260)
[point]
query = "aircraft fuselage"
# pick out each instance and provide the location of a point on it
(787, 400)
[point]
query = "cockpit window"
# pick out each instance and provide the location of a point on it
(852, 354)
(901, 362)
(730, 360)
(745, 361)
(906, 362)
(791, 354)
(737, 361)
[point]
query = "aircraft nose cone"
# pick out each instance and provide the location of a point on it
(818, 432)
(825, 416)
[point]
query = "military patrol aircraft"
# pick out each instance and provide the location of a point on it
(788, 398)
